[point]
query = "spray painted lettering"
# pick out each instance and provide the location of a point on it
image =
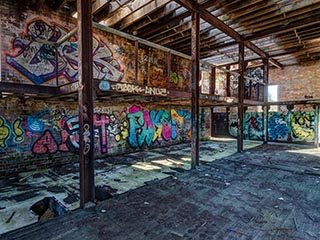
(126, 87)
(303, 125)
(37, 60)
(148, 127)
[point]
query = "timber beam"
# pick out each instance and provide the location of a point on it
(207, 16)
(25, 89)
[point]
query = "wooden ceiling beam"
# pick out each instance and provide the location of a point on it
(207, 16)
(147, 32)
(284, 28)
(128, 9)
(156, 18)
(144, 11)
(25, 89)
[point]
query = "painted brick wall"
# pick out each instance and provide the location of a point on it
(285, 126)
(38, 134)
(297, 81)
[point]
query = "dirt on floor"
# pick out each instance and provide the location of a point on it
(267, 192)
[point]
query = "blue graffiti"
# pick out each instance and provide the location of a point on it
(277, 126)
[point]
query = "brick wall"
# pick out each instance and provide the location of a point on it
(39, 134)
(297, 82)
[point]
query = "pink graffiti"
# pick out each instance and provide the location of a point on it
(102, 123)
(64, 138)
(45, 144)
(166, 131)
(134, 109)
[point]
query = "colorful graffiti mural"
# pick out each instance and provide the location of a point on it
(35, 56)
(253, 126)
(152, 68)
(149, 127)
(180, 74)
(50, 131)
(278, 127)
(303, 125)
(292, 126)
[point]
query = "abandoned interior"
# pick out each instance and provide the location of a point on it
(159, 119)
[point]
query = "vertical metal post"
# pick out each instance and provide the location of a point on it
(136, 52)
(242, 67)
(168, 69)
(228, 81)
(228, 93)
(265, 100)
(316, 139)
(212, 90)
(195, 115)
(56, 56)
(85, 101)
(213, 80)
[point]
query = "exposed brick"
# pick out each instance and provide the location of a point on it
(298, 81)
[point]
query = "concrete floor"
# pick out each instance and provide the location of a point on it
(116, 175)
(267, 192)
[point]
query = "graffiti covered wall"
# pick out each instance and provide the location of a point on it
(33, 53)
(54, 129)
(49, 130)
(291, 126)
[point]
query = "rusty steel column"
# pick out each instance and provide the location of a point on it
(316, 138)
(242, 66)
(265, 100)
(85, 101)
(228, 75)
(195, 109)
(213, 81)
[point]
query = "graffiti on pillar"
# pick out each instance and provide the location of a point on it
(86, 139)
(34, 55)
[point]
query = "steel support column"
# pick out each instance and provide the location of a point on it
(265, 100)
(213, 81)
(85, 96)
(228, 94)
(195, 109)
(317, 125)
(242, 66)
(228, 75)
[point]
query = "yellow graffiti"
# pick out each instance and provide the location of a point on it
(301, 127)
(18, 131)
(4, 133)
(177, 117)
(157, 132)
(124, 133)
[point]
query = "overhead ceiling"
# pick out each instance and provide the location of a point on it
(287, 31)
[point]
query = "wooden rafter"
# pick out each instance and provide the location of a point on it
(207, 16)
